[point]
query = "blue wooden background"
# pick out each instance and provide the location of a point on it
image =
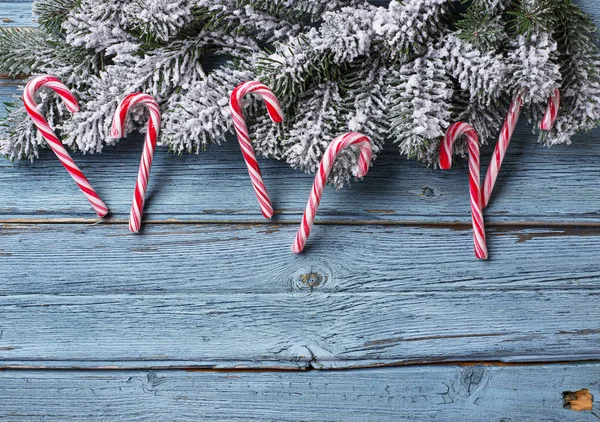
(208, 315)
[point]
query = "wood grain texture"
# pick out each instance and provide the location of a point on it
(402, 289)
(557, 185)
(230, 296)
(16, 13)
(437, 394)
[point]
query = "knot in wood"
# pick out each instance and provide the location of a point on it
(428, 192)
(312, 280)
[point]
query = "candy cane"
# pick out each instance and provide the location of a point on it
(241, 130)
(514, 112)
(452, 134)
(551, 111)
(53, 141)
(333, 150)
(506, 134)
(118, 131)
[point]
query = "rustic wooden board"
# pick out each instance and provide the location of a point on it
(16, 13)
(230, 296)
(557, 185)
(225, 259)
(437, 394)
(592, 7)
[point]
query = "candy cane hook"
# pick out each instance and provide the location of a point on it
(241, 129)
(506, 134)
(55, 144)
(333, 150)
(118, 131)
(452, 134)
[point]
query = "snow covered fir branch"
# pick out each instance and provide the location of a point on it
(106, 50)
(400, 72)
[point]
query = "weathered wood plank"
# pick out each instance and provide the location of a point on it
(341, 330)
(16, 13)
(536, 184)
(437, 394)
(229, 296)
(223, 259)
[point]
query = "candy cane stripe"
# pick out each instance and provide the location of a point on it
(501, 147)
(551, 111)
(241, 130)
(506, 134)
(53, 142)
(454, 132)
(118, 131)
(325, 167)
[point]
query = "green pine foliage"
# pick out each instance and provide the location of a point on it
(400, 73)
(106, 50)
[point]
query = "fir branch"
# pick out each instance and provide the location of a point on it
(482, 29)
(490, 6)
(364, 91)
(532, 68)
(485, 118)
(160, 73)
(318, 55)
(268, 20)
(199, 115)
(297, 66)
(19, 138)
(579, 57)
(533, 16)
(406, 28)
(24, 51)
(52, 13)
(481, 74)
(159, 21)
(310, 131)
(420, 95)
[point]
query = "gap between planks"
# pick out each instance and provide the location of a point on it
(513, 225)
(307, 368)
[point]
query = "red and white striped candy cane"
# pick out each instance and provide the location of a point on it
(452, 134)
(118, 131)
(514, 112)
(333, 150)
(551, 112)
(241, 129)
(71, 102)
(506, 134)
